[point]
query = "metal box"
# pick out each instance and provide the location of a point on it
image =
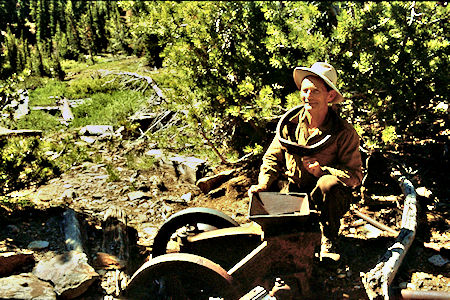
(278, 212)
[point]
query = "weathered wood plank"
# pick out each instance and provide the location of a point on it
(378, 279)
(5, 132)
(66, 112)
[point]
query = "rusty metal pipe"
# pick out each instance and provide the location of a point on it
(374, 222)
(435, 295)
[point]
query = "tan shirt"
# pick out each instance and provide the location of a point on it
(341, 157)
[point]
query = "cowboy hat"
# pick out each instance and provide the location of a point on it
(325, 71)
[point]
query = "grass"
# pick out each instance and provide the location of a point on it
(107, 108)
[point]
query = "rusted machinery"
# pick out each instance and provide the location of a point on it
(201, 253)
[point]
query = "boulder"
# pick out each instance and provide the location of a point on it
(25, 286)
(70, 274)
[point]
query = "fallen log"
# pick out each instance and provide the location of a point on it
(5, 132)
(377, 281)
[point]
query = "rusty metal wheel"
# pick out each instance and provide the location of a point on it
(191, 220)
(180, 276)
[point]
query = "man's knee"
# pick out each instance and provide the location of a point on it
(327, 182)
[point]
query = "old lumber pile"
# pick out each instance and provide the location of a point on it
(377, 281)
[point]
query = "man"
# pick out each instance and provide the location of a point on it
(316, 151)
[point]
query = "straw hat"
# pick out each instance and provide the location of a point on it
(325, 71)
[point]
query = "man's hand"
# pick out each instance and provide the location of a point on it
(256, 188)
(312, 166)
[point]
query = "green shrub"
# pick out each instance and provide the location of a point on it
(23, 162)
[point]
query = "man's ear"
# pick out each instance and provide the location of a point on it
(331, 95)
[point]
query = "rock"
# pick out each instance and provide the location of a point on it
(206, 184)
(12, 261)
(70, 274)
(25, 286)
(438, 260)
(69, 194)
(13, 229)
(186, 197)
(187, 168)
(150, 230)
(38, 245)
(372, 231)
(96, 130)
(88, 139)
(108, 261)
(157, 153)
(157, 181)
(132, 196)
(72, 232)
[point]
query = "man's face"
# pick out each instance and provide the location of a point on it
(315, 95)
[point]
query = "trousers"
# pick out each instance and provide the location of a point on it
(329, 196)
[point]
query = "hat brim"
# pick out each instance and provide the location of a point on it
(301, 72)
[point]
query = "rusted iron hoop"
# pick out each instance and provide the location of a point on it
(190, 216)
(187, 276)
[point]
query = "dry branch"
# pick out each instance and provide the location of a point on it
(378, 279)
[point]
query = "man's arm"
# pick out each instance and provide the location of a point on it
(270, 168)
(349, 166)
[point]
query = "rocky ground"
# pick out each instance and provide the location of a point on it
(150, 197)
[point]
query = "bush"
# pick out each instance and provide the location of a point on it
(22, 163)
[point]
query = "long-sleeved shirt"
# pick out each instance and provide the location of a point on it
(340, 157)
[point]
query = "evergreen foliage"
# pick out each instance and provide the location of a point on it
(231, 62)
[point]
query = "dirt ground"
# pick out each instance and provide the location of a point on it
(88, 190)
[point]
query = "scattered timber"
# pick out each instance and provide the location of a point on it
(46, 108)
(5, 132)
(147, 79)
(374, 222)
(377, 281)
(66, 112)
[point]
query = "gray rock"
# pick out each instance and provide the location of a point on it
(13, 229)
(38, 245)
(438, 260)
(96, 130)
(187, 168)
(70, 274)
(132, 196)
(72, 232)
(25, 286)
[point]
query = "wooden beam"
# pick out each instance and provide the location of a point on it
(378, 280)
(5, 132)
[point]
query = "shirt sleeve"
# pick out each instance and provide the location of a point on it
(271, 166)
(349, 165)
